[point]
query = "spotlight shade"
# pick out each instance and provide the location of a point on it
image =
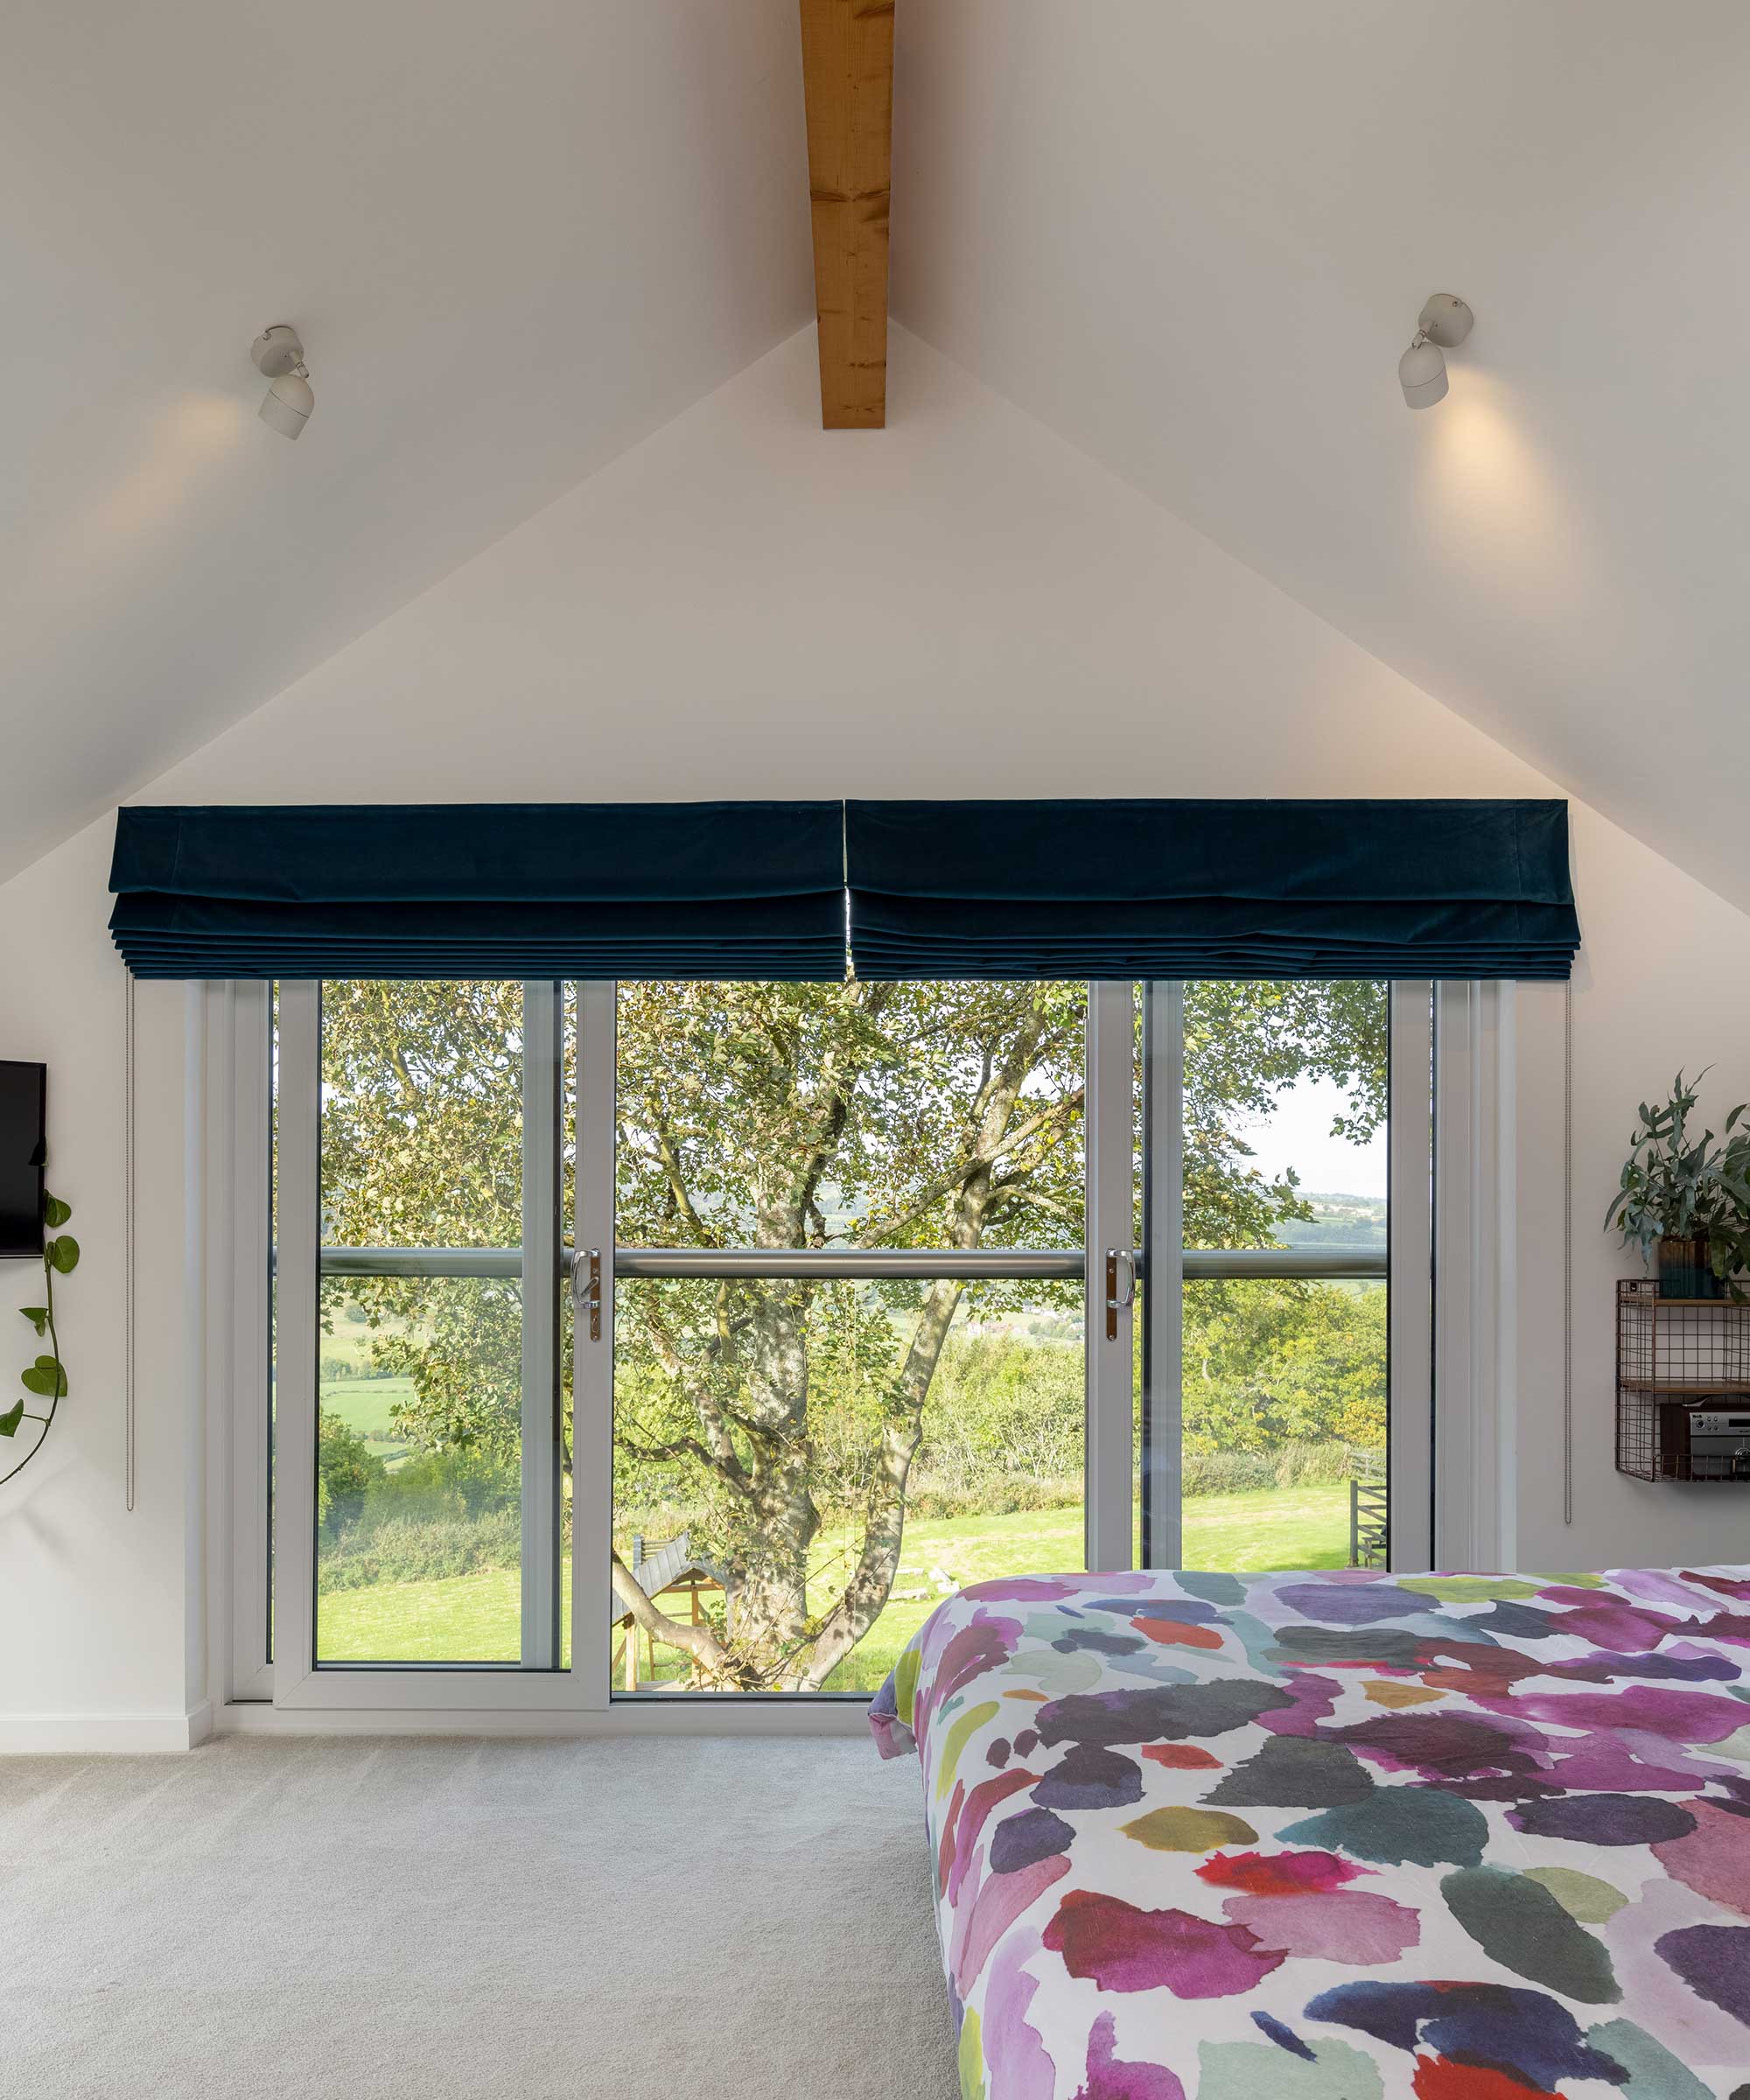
(286, 405)
(1422, 372)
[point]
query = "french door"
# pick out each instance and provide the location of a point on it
(637, 1342)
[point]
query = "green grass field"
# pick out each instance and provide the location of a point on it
(474, 1618)
(363, 1405)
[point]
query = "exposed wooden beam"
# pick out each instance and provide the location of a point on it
(848, 84)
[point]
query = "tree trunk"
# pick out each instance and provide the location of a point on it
(770, 1637)
(770, 1609)
(884, 1526)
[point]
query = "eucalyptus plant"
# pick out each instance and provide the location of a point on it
(1677, 1187)
(47, 1378)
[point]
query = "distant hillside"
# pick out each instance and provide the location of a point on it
(1337, 1220)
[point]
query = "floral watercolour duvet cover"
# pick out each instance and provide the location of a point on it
(1340, 1836)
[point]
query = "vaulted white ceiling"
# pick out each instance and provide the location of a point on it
(517, 238)
(1191, 238)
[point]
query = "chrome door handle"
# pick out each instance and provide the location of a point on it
(1115, 1304)
(586, 1289)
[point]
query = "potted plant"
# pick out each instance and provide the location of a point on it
(1685, 1201)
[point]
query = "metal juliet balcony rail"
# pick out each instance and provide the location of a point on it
(1044, 1265)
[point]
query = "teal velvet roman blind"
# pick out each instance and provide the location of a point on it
(809, 889)
(1210, 889)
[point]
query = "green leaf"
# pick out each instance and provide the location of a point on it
(10, 1419)
(55, 1212)
(38, 1316)
(45, 1377)
(63, 1253)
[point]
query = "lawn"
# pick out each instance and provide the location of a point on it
(474, 1618)
(363, 1405)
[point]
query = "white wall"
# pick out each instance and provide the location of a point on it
(1662, 981)
(744, 605)
(94, 1626)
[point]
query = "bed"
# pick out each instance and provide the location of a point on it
(1340, 1836)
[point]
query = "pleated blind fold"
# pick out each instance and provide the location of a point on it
(809, 889)
(483, 890)
(1210, 889)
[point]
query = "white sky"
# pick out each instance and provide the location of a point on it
(1297, 1134)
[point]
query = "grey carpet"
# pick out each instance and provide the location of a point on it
(719, 1919)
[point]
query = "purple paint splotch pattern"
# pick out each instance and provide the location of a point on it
(1340, 1836)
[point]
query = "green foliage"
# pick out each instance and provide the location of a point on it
(422, 1129)
(346, 1471)
(409, 1549)
(437, 1514)
(1255, 1471)
(1275, 1363)
(1674, 1186)
(1004, 1406)
(44, 1379)
(1245, 1043)
(932, 1115)
(358, 1493)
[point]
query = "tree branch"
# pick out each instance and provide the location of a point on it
(655, 1454)
(981, 1156)
(713, 1662)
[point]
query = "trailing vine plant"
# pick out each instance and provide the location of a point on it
(47, 1377)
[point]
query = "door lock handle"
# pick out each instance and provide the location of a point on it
(1115, 1304)
(586, 1286)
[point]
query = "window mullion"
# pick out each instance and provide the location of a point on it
(1164, 1304)
(1410, 1436)
(248, 1255)
(540, 1527)
(593, 1354)
(296, 1316)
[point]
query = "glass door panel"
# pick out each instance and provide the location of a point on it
(849, 1334)
(837, 1343)
(1285, 1420)
(1273, 1394)
(419, 1475)
(799, 1552)
(427, 1477)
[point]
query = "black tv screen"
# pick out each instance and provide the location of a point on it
(24, 1145)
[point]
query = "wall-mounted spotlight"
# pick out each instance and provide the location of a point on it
(279, 355)
(1443, 324)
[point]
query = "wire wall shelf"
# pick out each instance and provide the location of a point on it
(1683, 1386)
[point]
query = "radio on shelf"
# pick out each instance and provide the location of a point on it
(1683, 1386)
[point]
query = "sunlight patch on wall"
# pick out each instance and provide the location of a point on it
(124, 505)
(186, 437)
(1494, 505)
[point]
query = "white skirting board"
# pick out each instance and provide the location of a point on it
(80, 1735)
(115, 1734)
(655, 1716)
(142, 1734)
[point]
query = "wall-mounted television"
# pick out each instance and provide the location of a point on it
(24, 1146)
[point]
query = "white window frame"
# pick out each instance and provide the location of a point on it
(1109, 1298)
(228, 1047)
(1475, 1342)
(1407, 1270)
(299, 1682)
(234, 1041)
(1112, 1265)
(1412, 1278)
